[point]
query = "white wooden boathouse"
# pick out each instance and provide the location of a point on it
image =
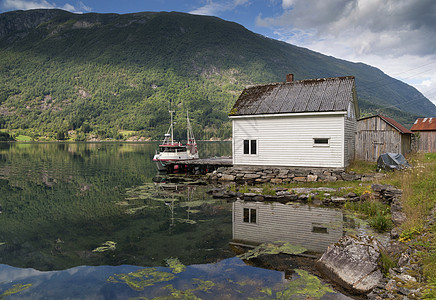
(304, 123)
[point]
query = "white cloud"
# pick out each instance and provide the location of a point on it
(215, 8)
(25, 5)
(83, 7)
(393, 35)
(44, 4)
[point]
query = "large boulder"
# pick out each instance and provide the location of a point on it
(353, 262)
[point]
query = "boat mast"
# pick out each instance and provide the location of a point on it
(171, 127)
(189, 134)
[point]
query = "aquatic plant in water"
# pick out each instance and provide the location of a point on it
(16, 288)
(273, 248)
(140, 279)
(133, 210)
(175, 265)
(187, 221)
(306, 285)
(202, 285)
(151, 192)
(106, 246)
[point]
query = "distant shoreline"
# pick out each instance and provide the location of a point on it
(106, 141)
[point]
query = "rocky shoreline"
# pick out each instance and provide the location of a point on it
(356, 263)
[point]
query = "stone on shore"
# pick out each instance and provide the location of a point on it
(353, 263)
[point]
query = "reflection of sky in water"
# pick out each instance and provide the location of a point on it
(230, 278)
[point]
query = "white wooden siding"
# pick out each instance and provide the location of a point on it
(288, 141)
(291, 223)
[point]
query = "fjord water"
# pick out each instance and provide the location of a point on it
(87, 221)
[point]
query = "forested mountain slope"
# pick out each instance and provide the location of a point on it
(99, 74)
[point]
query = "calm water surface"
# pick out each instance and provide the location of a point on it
(87, 221)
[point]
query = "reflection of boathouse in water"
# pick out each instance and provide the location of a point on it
(311, 227)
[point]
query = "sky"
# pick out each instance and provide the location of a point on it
(396, 36)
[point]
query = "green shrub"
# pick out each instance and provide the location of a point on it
(386, 263)
(381, 222)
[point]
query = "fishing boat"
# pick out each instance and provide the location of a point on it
(170, 151)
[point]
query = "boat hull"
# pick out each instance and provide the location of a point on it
(161, 160)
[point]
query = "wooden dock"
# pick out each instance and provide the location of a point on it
(200, 166)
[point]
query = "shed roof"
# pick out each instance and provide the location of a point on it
(391, 122)
(424, 124)
(314, 95)
(395, 124)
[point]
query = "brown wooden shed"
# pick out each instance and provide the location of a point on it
(424, 131)
(379, 134)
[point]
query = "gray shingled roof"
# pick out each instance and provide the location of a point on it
(315, 95)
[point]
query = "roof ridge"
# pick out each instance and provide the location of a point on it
(300, 81)
(395, 124)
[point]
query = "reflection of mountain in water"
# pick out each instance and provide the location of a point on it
(62, 201)
(311, 227)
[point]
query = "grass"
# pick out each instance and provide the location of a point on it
(381, 222)
(386, 262)
(419, 199)
(419, 190)
(378, 214)
(23, 138)
(370, 208)
(362, 167)
(269, 189)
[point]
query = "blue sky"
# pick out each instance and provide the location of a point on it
(397, 36)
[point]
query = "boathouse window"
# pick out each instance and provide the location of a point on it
(250, 147)
(321, 142)
(318, 228)
(250, 215)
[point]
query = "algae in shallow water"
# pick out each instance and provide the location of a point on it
(187, 221)
(202, 285)
(273, 248)
(140, 279)
(106, 246)
(133, 210)
(306, 285)
(188, 294)
(16, 288)
(175, 265)
(267, 291)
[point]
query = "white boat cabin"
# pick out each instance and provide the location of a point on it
(305, 123)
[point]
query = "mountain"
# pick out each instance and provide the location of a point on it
(105, 74)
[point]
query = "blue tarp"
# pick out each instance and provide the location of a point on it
(391, 161)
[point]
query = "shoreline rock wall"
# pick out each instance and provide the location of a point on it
(278, 175)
